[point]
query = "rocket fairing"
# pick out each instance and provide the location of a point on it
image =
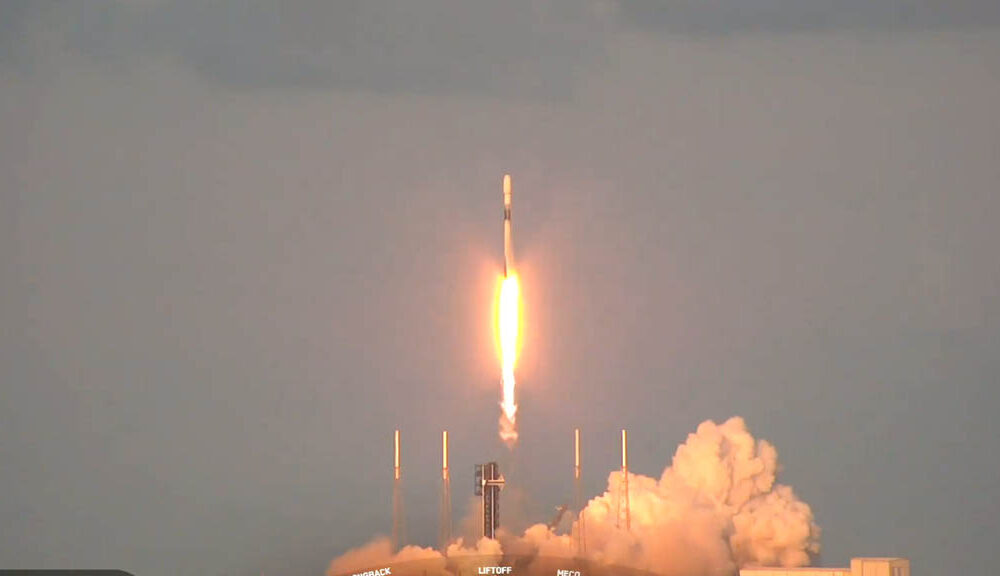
(508, 252)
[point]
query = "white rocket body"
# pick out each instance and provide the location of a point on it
(508, 252)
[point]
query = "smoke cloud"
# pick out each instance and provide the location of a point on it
(716, 508)
(379, 551)
(458, 557)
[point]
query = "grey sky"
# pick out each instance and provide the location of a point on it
(238, 246)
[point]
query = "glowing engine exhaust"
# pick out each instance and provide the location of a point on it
(508, 321)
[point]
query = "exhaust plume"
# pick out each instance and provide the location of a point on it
(508, 327)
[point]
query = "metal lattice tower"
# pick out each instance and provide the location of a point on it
(398, 532)
(445, 521)
(581, 525)
(489, 482)
(624, 514)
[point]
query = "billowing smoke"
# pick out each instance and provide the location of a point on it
(716, 508)
(508, 322)
(379, 551)
(457, 559)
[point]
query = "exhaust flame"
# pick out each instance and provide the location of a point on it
(508, 322)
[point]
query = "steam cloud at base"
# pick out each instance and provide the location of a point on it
(508, 429)
(716, 508)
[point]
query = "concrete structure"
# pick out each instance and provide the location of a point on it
(859, 567)
(880, 567)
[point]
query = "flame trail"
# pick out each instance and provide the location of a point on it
(508, 321)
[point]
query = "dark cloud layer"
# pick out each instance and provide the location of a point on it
(720, 17)
(522, 49)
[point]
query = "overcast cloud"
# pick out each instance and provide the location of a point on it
(241, 242)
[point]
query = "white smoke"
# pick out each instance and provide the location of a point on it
(379, 551)
(716, 508)
(484, 547)
(458, 557)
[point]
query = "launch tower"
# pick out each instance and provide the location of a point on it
(489, 482)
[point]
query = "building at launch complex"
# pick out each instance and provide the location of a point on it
(858, 567)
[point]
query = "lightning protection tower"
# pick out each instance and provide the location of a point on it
(489, 482)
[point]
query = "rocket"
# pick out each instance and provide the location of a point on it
(508, 252)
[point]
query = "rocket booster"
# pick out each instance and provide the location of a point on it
(508, 252)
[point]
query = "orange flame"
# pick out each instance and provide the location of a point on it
(508, 320)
